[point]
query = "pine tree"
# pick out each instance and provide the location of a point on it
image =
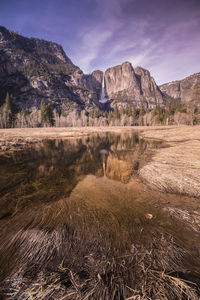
(8, 112)
(8, 102)
(116, 114)
(109, 117)
(96, 114)
(50, 115)
(129, 111)
(142, 110)
(47, 116)
(134, 113)
(43, 112)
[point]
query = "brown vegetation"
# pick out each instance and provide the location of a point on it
(106, 247)
(175, 168)
(88, 248)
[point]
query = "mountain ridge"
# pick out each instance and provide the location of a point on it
(45, 66)
(186, 89)
(32, 70)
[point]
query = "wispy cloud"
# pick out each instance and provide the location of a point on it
(89, 47)
(162, 36)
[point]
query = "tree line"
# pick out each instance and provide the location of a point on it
(174, 113)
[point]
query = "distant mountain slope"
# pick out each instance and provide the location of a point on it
(185, 90)
(33, 69)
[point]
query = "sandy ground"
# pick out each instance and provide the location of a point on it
(174, 168)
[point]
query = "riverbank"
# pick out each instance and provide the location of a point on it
(20, 138)
(17, 138)
(174, 168)
(78, 223)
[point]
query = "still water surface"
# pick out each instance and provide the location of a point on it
(72, 201)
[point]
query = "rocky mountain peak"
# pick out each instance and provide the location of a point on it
(120, 78)
(32, 70)
(11, 40)
(185, 90)
(127, 63)
(124, 83)
(141, 71)
(149, 88)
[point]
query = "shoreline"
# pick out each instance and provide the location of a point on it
(19, 138)
(174, 169)
(153, 233)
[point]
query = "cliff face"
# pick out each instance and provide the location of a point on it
(123, 83)
(32, 70)
(149, 88)
(121, 78)
(92, 82)
(185, 90)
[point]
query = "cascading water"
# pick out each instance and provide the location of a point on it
(103, 97)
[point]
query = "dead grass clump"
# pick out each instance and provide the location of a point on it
(62, 264)
(172, 133)
(175, 169)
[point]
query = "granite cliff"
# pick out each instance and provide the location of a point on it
(136, 86)
(32, 70)
(186, 90)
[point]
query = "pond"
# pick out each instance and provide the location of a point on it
(77, 222)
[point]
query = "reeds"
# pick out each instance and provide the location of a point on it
(79, 260)
(175, 169)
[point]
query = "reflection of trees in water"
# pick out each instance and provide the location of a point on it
(52, 169)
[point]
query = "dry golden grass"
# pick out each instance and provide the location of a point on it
(167, 133)
(93, 248)
(97, 243)
(18, 138)
(172, 133)
(14, 138)
(175, 168)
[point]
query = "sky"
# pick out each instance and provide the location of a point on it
(162, 36)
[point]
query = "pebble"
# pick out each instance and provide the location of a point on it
(148, 216)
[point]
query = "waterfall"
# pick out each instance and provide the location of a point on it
(103, 97)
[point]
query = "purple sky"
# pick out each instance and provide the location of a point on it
(160, 35)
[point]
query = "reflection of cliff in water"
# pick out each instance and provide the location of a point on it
(51, 170)
(73, 223)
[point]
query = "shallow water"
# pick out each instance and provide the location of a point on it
(67, 201)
